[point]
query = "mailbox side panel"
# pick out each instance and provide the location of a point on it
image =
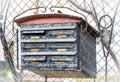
(88, 53)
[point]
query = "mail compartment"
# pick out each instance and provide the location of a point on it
(33, 47)
(26, 35)
(49, 48)
(62, 34)
(62, 47)
(37, 65)
(33, 58)
(62, 58)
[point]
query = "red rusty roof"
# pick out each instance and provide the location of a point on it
(48, 18)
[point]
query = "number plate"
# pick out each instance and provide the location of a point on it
(35, 37)
(62, 50)
(60, 63)
(62, 36)
(34, 50)
(35, 62)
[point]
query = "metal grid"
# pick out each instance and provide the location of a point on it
(107, 71)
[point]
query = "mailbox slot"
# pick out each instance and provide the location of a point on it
(33, 58)
(33, 47)
(62, 34)
(62, 58)
(32, 34)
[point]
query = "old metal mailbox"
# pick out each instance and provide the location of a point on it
(57, 45)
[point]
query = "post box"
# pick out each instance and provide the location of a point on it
(57, 46)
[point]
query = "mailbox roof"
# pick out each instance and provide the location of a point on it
(48, 18)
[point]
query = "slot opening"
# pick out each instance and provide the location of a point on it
(33, 33)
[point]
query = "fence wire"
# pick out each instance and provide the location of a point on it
(91, 11)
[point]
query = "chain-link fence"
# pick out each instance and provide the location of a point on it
(102, 15)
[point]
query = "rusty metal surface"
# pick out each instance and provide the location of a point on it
(48, 18)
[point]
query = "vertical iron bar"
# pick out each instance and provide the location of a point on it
(17, 51)
(106, 74)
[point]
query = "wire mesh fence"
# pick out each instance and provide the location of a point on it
(102, 15)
